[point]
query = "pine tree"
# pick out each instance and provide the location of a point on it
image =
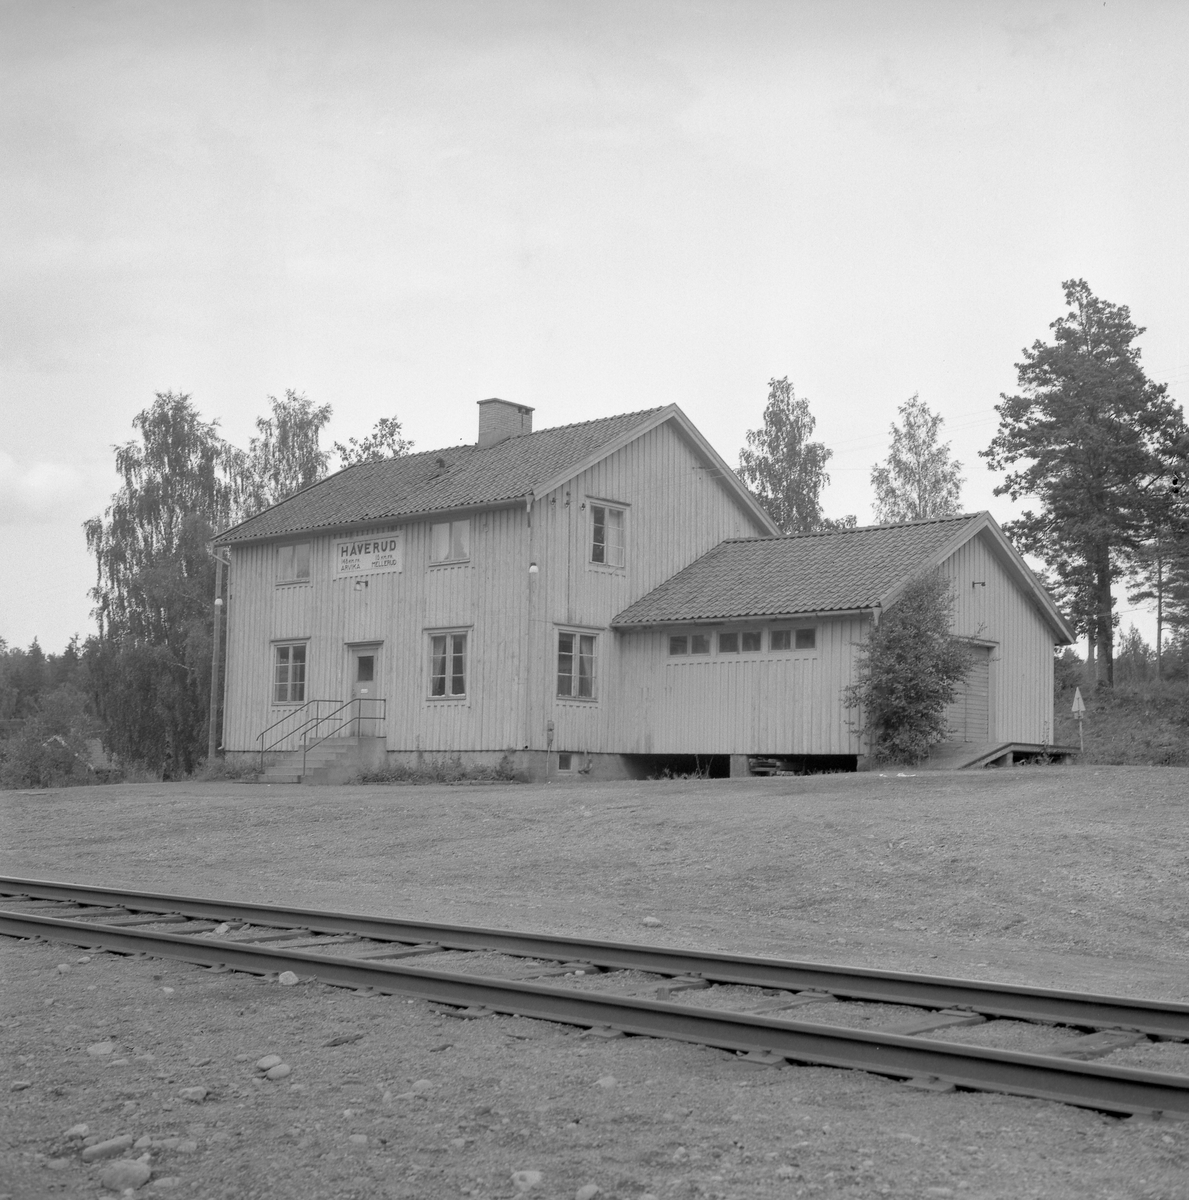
(1092, 436)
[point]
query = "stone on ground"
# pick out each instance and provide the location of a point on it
(525, 1181)
(280, 1071)
(589, 1192)
(127, 1173)
(99, 1049)
(268, 1062)
(196, 1095)
(108, 1149)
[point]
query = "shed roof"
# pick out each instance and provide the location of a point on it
(837, 571)
(458, 477)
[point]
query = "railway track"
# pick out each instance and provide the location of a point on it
(749, 1005)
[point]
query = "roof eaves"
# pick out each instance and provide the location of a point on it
(402, 518)
(800, 615)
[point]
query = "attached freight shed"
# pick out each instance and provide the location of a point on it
(748, 650)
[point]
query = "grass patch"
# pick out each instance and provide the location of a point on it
(1143, 724)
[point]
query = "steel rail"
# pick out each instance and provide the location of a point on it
(1156, 1018)
(1109, 1089)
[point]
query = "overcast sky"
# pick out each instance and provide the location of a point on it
(402, 208)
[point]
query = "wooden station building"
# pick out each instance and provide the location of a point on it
(600, 599)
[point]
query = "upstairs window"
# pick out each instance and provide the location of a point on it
(450, 541)
(606, 542)
(289, 674)
(576, 665)
(293, 563)
(447, 665)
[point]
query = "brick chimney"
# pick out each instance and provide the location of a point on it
(501, 419)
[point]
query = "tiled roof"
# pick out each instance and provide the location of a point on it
(799, 573)
(417, 483)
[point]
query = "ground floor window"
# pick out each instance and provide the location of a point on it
(448, 664)
(565, 761)
(289, 673)
(576, 665)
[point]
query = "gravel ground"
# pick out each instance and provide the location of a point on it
(1064, 877)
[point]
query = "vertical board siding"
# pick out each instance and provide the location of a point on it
(484, 596)
(677, 510)
(773, 702)
(1021, 667)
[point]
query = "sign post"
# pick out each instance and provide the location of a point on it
(1079, 710)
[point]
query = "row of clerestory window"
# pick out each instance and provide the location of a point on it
(745, 641)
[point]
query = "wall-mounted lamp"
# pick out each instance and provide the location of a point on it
(979, 583)
(218, 601)
(533, 568)
(582, 506)
(360, 584)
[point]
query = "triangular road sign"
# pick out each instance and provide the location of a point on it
(1079, 705)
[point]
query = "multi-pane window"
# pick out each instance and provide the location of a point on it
(750, 641)
(448, 664)
(576, 665)
(793, 639)
(449, 541)
(293, 563)
(689, 643)
(728, 643)
(289, 674)
(606, 543)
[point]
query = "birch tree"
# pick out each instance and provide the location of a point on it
(918, 480)
(782, 466)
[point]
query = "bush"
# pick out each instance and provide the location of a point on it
(442, 770)
(51, 748)
(909, 669)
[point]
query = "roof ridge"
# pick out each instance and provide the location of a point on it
(817, 533)
(513, 438)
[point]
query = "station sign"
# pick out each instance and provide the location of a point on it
(368, 554)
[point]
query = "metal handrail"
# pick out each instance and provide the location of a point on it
(307, 746)
(289, 732)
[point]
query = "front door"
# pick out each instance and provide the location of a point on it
(366, 708)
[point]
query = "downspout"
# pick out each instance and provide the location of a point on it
(216, 647)
(530, 608)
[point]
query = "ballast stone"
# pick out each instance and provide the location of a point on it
(268, 1062)
(128, 1173)
(108, 1149)
(196, 1095)
(280, 1071)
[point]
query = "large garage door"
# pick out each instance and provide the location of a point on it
(969, 716)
